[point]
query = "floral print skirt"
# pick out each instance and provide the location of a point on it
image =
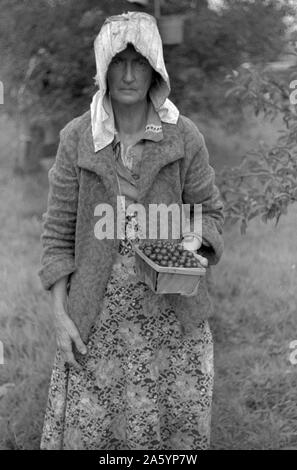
(144, 383)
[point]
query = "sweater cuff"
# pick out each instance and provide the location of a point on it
(193, 234)
(55, 270)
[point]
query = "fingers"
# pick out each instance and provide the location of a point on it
(202, 260)
(78, 342)
(191, 244)
(65, 346)
(67, 334)
(69, 358)
(191, 241)
(75, 336)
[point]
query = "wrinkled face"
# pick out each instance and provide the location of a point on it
(129, 77)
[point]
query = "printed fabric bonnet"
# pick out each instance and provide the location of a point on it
(139, 29)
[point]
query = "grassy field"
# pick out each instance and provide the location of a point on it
(255, 321)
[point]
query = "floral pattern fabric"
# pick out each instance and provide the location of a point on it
(144, 384)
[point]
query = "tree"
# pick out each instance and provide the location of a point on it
(47, 62)
(265, 183)
(217, 41)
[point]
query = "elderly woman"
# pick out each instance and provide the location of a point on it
(133, 369)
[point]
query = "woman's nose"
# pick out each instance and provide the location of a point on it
(129, 73)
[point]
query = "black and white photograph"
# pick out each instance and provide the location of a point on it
(148, 241)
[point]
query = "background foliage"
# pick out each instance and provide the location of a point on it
(48, 68)
(47, 45)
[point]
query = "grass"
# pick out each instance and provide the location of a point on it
(255, 321)
(255, 316)
(25, 326)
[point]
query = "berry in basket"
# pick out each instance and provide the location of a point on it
(170, 254)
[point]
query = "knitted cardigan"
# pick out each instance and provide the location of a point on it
(174, 170)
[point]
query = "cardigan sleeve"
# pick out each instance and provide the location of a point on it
(59, 221)
(200, 188)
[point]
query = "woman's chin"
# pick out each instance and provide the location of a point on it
(127, 98)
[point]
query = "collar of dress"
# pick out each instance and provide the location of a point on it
(156, 154)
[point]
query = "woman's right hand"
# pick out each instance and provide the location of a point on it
(66, 334)
(66, 331)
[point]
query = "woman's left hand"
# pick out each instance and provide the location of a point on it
(191, 243)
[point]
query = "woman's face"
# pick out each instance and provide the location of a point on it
(129, 77)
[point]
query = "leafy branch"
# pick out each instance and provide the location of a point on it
(265, 183)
